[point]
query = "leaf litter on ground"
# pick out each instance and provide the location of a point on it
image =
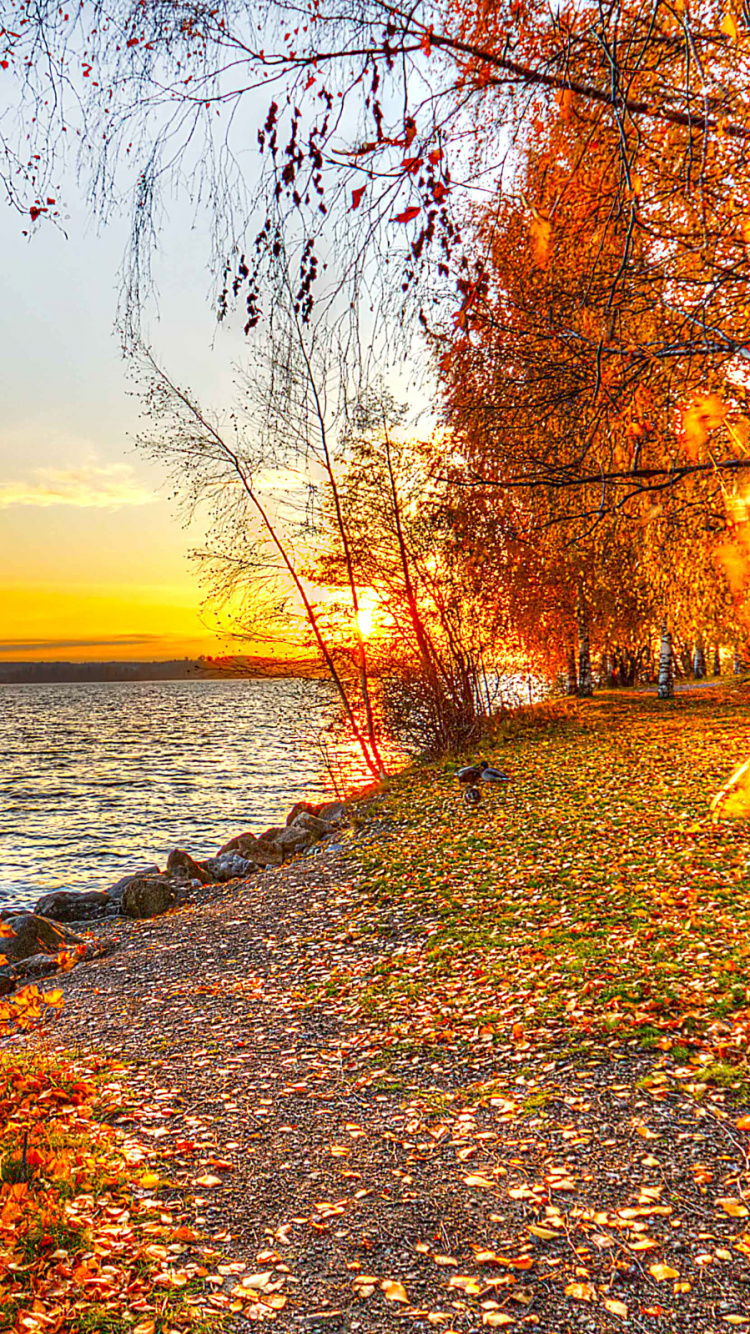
(473, 1069)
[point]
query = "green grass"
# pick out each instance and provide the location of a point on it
(589, 899)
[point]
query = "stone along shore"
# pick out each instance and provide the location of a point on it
(35, 944)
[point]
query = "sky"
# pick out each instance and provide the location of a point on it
(93, 555)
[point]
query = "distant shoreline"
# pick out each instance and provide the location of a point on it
(176, 669)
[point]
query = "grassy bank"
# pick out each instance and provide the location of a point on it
(589, 900)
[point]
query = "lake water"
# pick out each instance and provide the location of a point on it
(100, 777)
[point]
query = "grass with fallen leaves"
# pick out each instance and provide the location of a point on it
(589, 898)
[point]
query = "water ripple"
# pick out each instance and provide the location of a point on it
(97, 777)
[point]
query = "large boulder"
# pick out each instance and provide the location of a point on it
(229, 866)
(180, 866)
(332, 811)
(271, 835)
(34, 935)
(253, 849)
(314, 825)
(147, 896)
(298, 808)
(116, 891)
(295, 839)
(67, 905)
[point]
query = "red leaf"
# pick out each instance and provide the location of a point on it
(357, 196)
(408, 214)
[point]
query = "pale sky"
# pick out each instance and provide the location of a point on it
(93, 557)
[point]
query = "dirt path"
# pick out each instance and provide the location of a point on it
(387, 1184)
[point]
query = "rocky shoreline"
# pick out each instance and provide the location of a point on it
(43, 941)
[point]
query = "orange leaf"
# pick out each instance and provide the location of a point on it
(583, 1292)
(395, 1292)
(661, 1272)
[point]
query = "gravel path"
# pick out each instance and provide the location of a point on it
(378, 1183)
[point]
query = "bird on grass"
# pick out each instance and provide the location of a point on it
(472, 796)
(480, 773)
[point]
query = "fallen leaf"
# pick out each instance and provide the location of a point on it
(735, 1208)
(496, 1319)
(149, 1180)
(661, 1272)
(583, 1292)
(395, 1292)
(615, 1308)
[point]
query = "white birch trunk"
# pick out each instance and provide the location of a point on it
(699, 661)
(666, 674)
(585, 678)
(572, 675)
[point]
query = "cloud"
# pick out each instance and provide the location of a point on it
(84, 488)
(15, 646)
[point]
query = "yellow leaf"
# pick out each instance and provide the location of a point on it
(496, 1319)
(660, 1272)
(145, 1327)
(615, 1308)
(540, 232)
(207, 1180)
(728, 26)
(736, 1319)
(395, 1292)
(545, 1233)
(735, 1208)
(149, 1180)
(583, 1292)
(466, 1283)
(743, 1123)
(478, 1181)
(699, 419)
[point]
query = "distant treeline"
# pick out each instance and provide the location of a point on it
(176, 669)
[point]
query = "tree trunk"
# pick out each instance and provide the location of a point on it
(666, 674)
(716, 668)
(699, 660)
(585, 678)
(738, 665)
(572, 675)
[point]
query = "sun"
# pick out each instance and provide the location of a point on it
(365, 621)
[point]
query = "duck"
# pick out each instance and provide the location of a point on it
(472, 795)
(481, 772)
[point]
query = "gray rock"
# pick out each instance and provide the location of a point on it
(271, 835)
(298, 808)
(34, 935)
(253, 850)
(320, 828)
(66, 905)
(333, 811)
(116, 891)
(229, 866)
(295, 839)
(180, 866)
(147, 896)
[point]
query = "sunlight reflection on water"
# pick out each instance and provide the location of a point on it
(99, 777)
